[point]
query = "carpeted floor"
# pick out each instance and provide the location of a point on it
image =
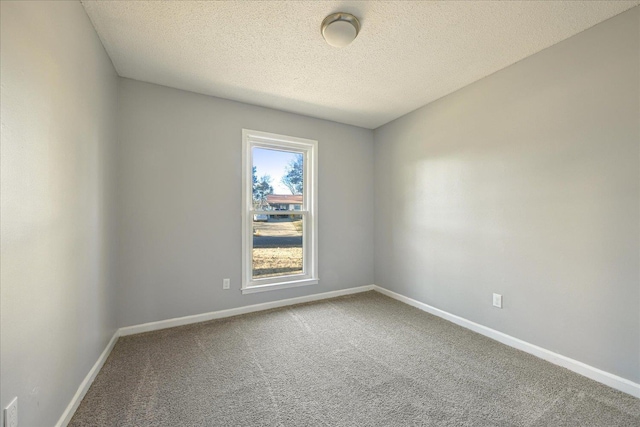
(361, 360)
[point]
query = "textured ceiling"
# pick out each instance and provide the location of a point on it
(271, 53)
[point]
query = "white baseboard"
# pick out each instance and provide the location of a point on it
(180, 321)
(86, 383)
(583, 369)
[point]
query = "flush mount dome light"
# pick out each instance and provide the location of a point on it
(340, 29)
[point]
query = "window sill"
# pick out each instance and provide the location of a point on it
(282, 285)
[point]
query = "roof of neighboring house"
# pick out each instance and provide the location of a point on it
(295, 199)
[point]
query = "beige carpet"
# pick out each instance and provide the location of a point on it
(362, 360)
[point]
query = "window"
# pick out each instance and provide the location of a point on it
(279, 212)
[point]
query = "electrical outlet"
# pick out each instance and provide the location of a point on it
(11, 414)
(226, 283)
(497, 300)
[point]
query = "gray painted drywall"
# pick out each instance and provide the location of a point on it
(58, 115)
(179, 198)
(526, 183)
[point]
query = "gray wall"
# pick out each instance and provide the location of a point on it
(58, 131)
(526, 183)
(179, 191)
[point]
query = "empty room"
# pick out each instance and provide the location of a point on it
(319, 213)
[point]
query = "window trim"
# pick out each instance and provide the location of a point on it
(309, 210)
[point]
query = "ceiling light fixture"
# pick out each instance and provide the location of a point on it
(340, 29)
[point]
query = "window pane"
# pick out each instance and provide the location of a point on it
(277, 245)
(277, 180)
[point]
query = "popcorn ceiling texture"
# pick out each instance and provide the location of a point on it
(272, 53)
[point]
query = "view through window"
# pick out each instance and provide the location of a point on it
(278, 185)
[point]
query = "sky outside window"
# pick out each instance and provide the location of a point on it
(273, 163)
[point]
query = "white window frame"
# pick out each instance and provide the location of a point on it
(309, 210)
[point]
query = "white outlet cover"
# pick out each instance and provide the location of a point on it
(11, 414)
(226, 283)
(497, 300)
